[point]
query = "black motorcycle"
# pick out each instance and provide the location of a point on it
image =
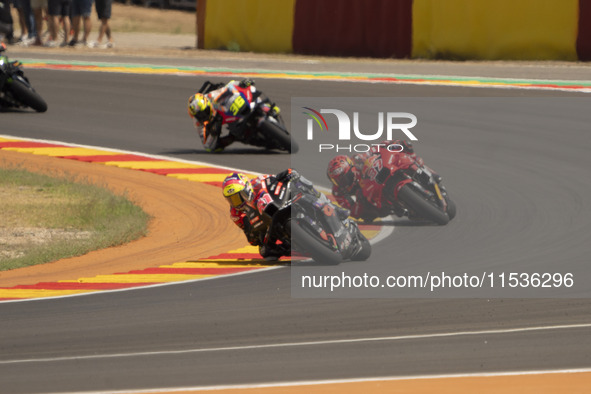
(15, 89)
(306, 221)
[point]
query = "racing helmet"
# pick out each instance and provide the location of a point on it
(237, 190)
(200, 107)
(342, 172)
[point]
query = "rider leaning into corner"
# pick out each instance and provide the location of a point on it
(346, 174)
(205, 110)
(252, 208)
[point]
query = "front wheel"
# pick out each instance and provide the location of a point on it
(364, 252)
(27, 95)
(309, 245)
(451, 208)
(422, 207)
(278, 136)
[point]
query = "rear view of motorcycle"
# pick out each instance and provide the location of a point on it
(407, 186)
(15, 89)
(423, 195)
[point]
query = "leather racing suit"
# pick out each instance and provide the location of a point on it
(255, 219)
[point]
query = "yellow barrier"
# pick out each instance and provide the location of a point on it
(254, 25)
(495, 29)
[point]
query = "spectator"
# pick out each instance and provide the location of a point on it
(59, 10)
(39, 11)
(6, 29)
(81, 10)
(26, 21)
(103, 10)
(21, 20)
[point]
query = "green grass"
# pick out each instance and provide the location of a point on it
(45, 218)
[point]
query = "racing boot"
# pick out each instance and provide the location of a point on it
(269, 254)
(399, 210)
(223, 142)
(437, 178)
(246, 83)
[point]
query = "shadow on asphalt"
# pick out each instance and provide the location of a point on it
(228, 151)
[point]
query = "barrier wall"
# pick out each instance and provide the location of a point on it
(252, 25)
(499, 29)
(433, 29)
(584, 36)
(373, 28)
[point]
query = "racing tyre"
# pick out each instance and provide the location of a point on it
(279, 136)
(451, 208)
(424, 208)
(27, 96)
(307, 244)
(365, 251)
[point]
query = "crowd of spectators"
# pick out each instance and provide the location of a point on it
(55, 23)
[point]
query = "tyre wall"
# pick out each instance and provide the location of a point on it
(431, 29)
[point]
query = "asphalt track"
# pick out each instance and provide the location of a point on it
(249, 329)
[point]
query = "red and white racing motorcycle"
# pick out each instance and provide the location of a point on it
(406, 185)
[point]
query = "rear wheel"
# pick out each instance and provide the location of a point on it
(27, 95)
(307, 244)
(424, 208)
(279, 136)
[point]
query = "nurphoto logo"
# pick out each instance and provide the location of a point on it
(392, 121)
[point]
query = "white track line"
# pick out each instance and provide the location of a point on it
(300, 344)
(337, 381)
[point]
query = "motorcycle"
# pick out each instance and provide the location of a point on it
(253, 119)
(406, 186)
(305, 221)
(15, 89)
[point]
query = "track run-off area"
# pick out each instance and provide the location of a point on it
(222, 309)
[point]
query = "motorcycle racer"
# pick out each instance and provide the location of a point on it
(252, 206)
(206, 110)
(345, 176)
(347, 173)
